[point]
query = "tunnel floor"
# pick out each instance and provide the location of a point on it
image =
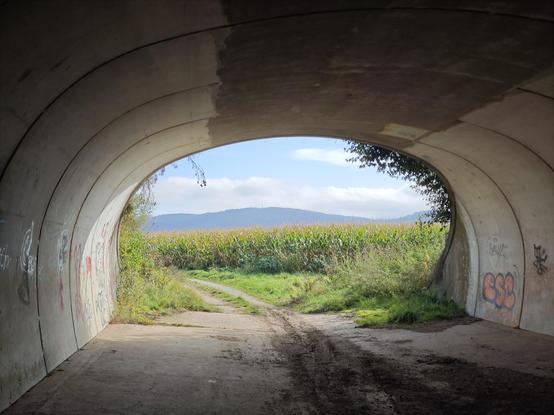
(285, 363)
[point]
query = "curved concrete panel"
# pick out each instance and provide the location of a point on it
(494, 222)
(81, 175)
(93, 104)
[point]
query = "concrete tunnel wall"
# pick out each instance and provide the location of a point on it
(95, 98)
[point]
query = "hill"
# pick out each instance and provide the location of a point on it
(262, 217)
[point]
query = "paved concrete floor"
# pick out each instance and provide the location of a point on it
(284, 363)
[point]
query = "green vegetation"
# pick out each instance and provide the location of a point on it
(382, 273)
(317, 249)
(237, 302)
(145, 290)
(406, 310)
(366, 287)
(379, 273)
(277, 289)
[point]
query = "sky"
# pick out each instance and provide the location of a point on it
(295, 172)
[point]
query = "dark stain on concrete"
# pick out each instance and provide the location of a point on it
(337, 377)
(351, 73)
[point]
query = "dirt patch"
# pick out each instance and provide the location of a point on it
(431, 326)
(327, 376)
(440, 325)
(446, 385)
(337, 377)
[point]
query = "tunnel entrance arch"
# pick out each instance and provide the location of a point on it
(81, 127)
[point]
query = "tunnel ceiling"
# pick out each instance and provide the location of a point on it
(95, 96)
(418, 64)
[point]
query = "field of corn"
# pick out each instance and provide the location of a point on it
(313, 248)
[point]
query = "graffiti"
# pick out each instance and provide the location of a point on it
(112, 287)
(101, 306)
(60, 293)
(26, 260)
(499, 290)
(100, 256)
(101, 246)
(88, 261)
(88, 289)
(496, 248)
(540, 259)
(77, 255)
(82, 284)
(27, 264)
(4, 258)
(62, 251)
(62, 258)
(102, 282)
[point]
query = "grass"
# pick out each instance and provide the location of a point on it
(319, 293)
(236, 301)
(275, 289)
(416, 308)
(379, 273)
(146, 291)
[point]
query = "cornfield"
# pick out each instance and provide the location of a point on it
(310, 248)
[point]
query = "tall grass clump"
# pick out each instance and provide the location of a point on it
(376, 274)
(145, 290)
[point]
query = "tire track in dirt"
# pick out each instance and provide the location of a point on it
(328, 378)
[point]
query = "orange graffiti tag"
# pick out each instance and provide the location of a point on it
(499, 290)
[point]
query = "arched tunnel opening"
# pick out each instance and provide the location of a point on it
(295, 217)
(94, 99)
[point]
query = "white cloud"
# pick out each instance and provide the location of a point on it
(181, 194)
(337, 156)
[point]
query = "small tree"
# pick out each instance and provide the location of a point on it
(427, 182)
(142, 202)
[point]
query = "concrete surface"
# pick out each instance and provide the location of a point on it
(95, 98)
(284, 363)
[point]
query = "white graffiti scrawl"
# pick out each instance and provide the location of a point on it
(62, 258)
(27, 264)
(4, 258)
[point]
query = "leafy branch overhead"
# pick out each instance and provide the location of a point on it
(426, 181)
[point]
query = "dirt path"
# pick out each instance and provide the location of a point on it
(286, 363)
(338, 367)
(235, 292)
(326, 380)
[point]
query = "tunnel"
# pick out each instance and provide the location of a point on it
(96, 96)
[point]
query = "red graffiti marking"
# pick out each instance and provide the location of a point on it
(499, 290)
(88, 264)
(78, 251)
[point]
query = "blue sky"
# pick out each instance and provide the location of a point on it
(299, 172)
